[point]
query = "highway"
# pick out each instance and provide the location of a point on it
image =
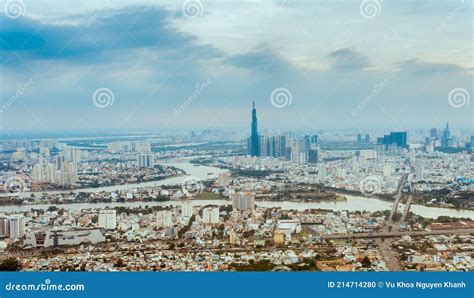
(398, 234)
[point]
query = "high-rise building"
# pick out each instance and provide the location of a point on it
(44, 173)
(17, 227)
(254, 140)
(69, 173)
(146, 161)
(164, 219)
(187, 210)
(223, 179)
(434, 133)
(4, 227)
(108, 219)
(446, 137)
(419, 171)
(322, 172)
(60, 159)
(243, 201)
(210, 215)
(313, 155)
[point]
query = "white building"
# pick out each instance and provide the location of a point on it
(69, 173)
(187, 210)
(164, 219)
(145, 161)
(210, 215)
(108, 219)
(17, 227)
(243, 201)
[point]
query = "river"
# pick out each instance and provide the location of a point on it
(353, 203)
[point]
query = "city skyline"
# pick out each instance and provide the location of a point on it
(97, 68)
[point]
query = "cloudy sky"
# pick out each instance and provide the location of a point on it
(307, 64)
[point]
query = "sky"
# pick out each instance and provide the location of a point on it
(199, 64)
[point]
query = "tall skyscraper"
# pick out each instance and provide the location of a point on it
(254, 141)
(446, 137)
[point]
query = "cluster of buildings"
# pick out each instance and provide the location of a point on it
(189, 236)
(48, 164)
(300, 151)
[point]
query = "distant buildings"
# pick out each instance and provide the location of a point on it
(392, 144)
(44, 173)
(12, 227)
(446, 140)
(69, 173)
(243, 201)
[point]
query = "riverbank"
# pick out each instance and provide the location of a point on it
(351, 204)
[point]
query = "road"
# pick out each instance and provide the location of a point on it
(399, 234)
